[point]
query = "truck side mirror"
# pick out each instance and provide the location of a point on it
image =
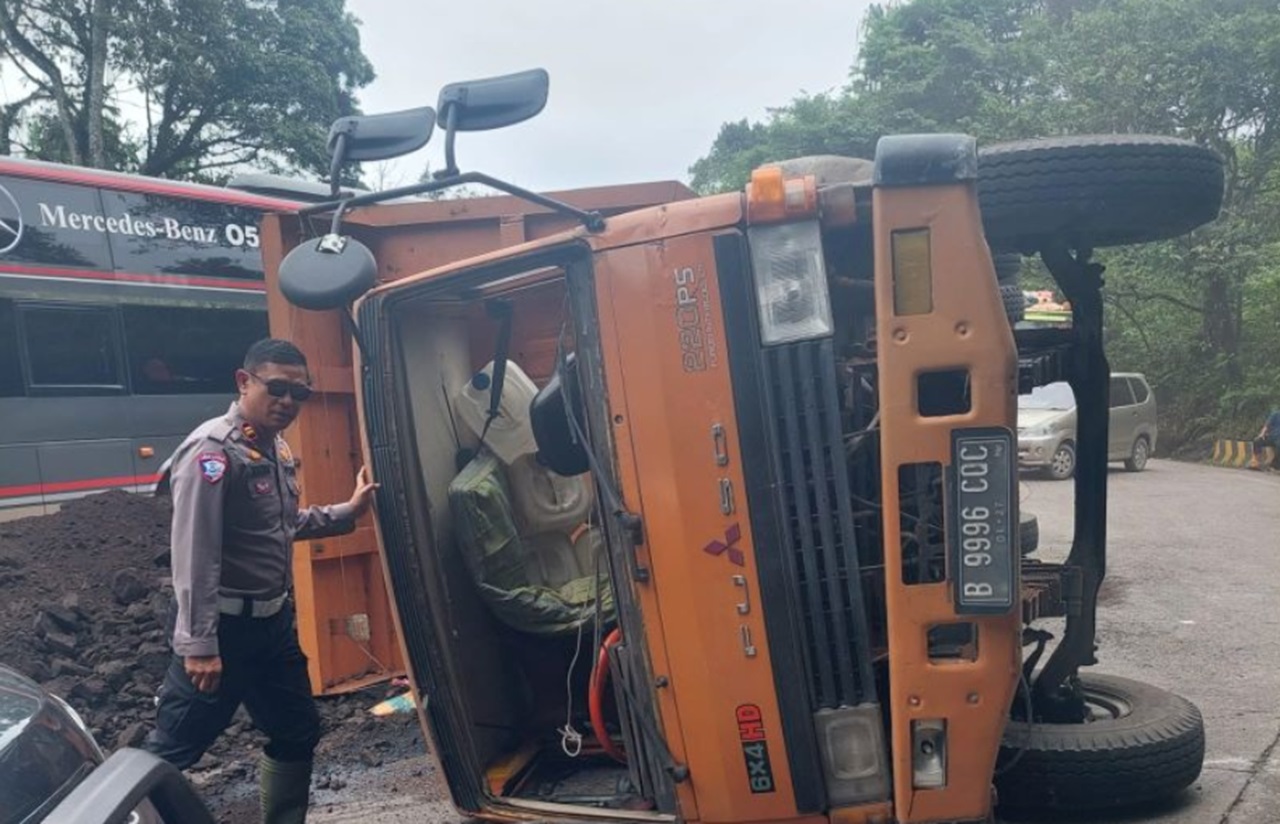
(381, 136)
(377, 137)
(495, 102)
(327, 272)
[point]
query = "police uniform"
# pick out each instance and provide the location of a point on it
(235, 517)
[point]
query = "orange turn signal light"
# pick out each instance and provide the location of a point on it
(772, 197)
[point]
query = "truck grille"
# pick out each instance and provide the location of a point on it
(808, 458)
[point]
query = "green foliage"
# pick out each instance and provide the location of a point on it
(1200, 314)
(223, 82)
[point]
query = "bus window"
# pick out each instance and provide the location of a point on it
(59, 225)
(10, 367)
(178, 236)
(182, 351)
(71, 349)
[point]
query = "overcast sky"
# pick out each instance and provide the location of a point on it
(638, 89)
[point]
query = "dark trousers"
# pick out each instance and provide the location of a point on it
(263, 668)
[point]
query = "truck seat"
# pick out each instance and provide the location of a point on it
(534, 572)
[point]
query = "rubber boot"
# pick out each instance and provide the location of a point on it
(285, 788)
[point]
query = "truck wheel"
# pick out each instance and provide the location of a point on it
(1008, 267)
(1141, 743)
(1015, 305)
(1137, 460)
(1028, 533)
(1095, 191)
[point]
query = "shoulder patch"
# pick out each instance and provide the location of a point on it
(213, 465)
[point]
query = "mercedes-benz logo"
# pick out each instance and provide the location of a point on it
(10, 221)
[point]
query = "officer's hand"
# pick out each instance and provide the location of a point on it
(363, 496)
(205, 671)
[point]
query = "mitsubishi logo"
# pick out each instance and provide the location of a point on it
(10, 221)
(731, 537)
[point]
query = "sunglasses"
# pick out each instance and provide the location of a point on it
(278, 388)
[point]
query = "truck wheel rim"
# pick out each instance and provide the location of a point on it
(1103, 706)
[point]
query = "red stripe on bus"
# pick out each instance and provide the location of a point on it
(145, 185)
(135, 277)
(76, 486)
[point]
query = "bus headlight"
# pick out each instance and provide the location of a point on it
(853, 755)
(791, 282)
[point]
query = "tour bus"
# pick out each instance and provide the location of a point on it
(126, 303)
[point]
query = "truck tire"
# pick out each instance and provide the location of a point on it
(1095, 191)
(1015, 304)
(1008, 267)
(1143, 743)
(1028, 533)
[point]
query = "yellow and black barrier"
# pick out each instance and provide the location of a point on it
(1239, 454)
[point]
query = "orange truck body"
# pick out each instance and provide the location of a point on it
(344, 615)
(676, 437)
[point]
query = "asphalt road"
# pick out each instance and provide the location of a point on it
(1191, 603)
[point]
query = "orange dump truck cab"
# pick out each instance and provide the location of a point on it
(706, 511)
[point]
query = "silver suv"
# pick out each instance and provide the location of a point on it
(1047, 426)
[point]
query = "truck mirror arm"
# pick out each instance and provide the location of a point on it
(592, 220)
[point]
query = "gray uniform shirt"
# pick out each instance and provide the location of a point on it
(235, 517)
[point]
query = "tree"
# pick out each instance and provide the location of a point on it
(223, 83)
(923, 66)
(1207, 70)
(62, 49)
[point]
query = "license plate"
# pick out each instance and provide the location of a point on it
(983, 520)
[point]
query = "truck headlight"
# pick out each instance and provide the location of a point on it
(791, 282)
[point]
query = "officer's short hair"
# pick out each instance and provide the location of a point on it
(273, 350)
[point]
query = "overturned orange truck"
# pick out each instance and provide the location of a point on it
(708, 511)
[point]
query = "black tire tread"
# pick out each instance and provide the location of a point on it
(1028, 533)
(1008, 267)
(1015, 304)
(1153, 753)
(1096, 191)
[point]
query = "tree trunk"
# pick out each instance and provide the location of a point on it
(100, 21)
(10, 114)
(1222, 323)
(8, 120)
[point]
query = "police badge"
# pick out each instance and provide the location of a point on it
(213, 465)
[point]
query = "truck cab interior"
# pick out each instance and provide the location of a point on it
(511, 551)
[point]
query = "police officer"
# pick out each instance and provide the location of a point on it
(235, 517)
